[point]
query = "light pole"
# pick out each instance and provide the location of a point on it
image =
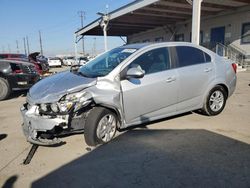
(104, 24)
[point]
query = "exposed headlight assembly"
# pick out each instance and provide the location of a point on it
(66, 103)
(44, 107)
(54, 107)
(78, 100)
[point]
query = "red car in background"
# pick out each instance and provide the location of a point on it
(40, 62)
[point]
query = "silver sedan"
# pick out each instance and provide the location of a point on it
(127, 86)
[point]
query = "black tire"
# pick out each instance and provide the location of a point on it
(213, 108)
(4, 89)
(90, 130)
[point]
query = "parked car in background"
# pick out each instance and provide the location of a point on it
(16, 75)
(22, 57)
(40, 62)
(82, 60)
(68, 61)
(127, 86)
(54, 62)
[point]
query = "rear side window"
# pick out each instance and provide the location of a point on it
(207, 57)
(187, 55)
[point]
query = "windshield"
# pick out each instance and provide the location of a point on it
(105, 63)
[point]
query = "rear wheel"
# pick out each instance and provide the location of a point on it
(100, 127)
(4, 89)
(215, 102)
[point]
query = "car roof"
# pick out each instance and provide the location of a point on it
(16, 61)
(149, 44)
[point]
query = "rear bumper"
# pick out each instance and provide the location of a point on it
(22, 81)
(232, 85)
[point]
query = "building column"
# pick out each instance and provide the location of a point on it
(104, 24)
(196, 17)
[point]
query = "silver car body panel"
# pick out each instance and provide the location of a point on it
(52, 88)
(136, 101)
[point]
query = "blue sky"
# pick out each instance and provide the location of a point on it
(56, 19)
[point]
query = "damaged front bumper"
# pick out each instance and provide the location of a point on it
(34, 125)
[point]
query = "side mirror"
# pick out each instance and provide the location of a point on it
(134, 73)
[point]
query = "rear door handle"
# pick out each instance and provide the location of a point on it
(207, 69)
(171, 79)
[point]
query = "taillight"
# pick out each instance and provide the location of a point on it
(234, 67)
(38, 68)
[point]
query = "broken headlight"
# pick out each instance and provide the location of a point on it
(66, 103)
(54, 107)
(76, 99)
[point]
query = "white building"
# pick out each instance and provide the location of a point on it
(224, 24)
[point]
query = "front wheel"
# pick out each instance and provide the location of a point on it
(100, 127)
(215, 102)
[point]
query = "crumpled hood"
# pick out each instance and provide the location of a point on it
(52, 88)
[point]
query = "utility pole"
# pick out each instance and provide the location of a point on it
(24, 45)
(94, 46)
(28, 46)
(81, 14)
(41, 45)
(9, 48)
(17, 48)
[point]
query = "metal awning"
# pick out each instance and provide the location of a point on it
(142, 15)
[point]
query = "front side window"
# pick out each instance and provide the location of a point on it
(153, 61)
(245, 37)
(187, 55)
(105, 63)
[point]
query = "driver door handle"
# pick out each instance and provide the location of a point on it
(171, 79)
(207, 69)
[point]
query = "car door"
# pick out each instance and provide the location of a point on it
(195, 71)
(154, 95)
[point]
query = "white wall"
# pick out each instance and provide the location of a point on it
(232, 22)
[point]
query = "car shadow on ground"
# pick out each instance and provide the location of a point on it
(9, 183)
(158, 158)
(3, 136)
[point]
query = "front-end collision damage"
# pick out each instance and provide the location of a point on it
(107, 93)
(46, 120)
(34, 124)
(43, 123)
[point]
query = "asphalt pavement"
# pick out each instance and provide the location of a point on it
(189, 150)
